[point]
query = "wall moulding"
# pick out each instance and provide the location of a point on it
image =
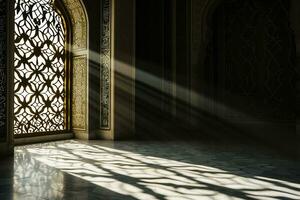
(105, 65)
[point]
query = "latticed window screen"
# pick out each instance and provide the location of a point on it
(40, 69)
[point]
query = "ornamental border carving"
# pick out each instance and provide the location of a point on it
(105, 65)
(79, 23)
(79, 91)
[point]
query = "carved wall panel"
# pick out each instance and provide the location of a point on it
(105, 65)
(79, 93)
(253, 59)
(3, 68)
(79, 69)
(79, 23)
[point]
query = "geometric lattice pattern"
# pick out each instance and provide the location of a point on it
(40, 80)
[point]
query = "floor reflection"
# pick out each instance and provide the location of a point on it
(136, 170)
(35, 179)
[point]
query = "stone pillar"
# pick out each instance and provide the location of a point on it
(124, 69)
(117, 69)
(295, 16)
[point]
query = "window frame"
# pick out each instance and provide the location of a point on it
(61, 10)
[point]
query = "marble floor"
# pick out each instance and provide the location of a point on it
(148, 171)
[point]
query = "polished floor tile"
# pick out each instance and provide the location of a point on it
(148, 171)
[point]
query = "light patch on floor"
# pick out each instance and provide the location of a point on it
(148, 171)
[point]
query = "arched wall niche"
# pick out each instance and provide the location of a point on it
(201, 14)
(79, 48)
(268, 122)
(76, 19)
(201, 19)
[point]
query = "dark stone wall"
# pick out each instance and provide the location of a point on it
(3, 69)
(250, 70)
(295, 16)
(149, 68)
(240, 84)
(252, 57)
(124, 54)
(162, 72)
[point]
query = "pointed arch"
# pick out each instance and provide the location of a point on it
(76, 17)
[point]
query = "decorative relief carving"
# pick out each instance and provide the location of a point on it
(280, 60)
(80, 64)
(105, 65)
(79, 23)
(3, 69)
(256, 59)
(79, 92)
